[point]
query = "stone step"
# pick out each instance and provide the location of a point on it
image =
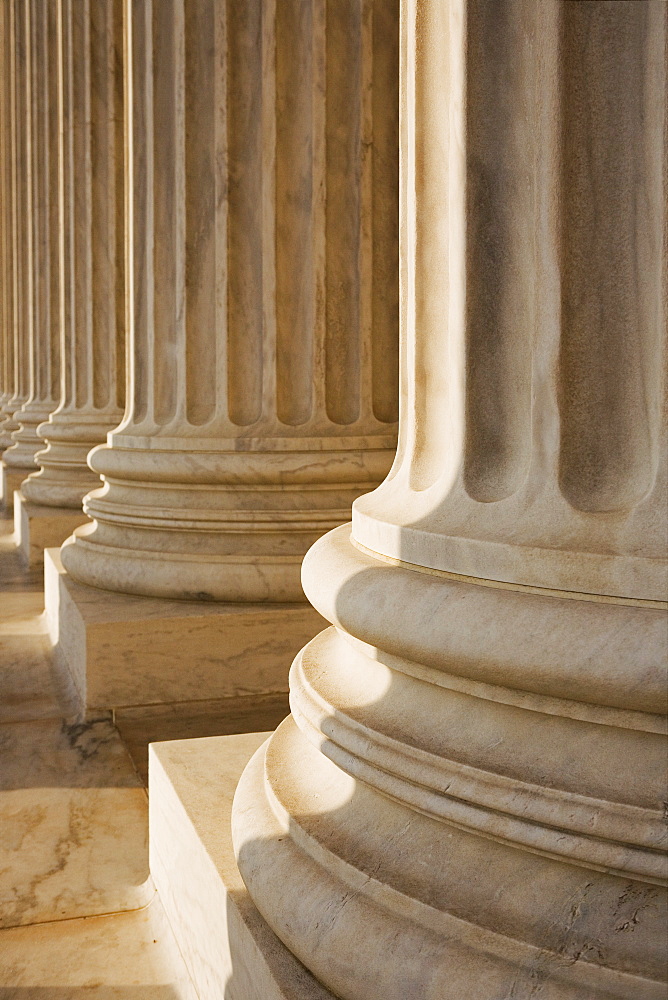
(228, 948)
(73, 822)
(119, 956)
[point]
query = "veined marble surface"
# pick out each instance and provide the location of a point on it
(73, 828)
(37, 527)
(229, 949)
(73, 832)
(10, 480)
(120, 650)
(29, 688)
(73, 811)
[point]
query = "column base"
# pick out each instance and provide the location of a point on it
(228, 948)
(119, 650)
(38, 527)
(10, 481)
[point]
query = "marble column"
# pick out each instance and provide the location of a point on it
(6, 253)
(15, 233)
(38, 220)
(468, 800)
(91, 229)
(262, 297)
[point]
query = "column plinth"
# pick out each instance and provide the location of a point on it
(467, 801)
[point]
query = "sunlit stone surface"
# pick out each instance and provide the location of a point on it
(85, 265)
(263, 340)
(74, 878)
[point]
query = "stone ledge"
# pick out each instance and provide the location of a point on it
(121, 651)
(38, 527)
(228, 948)
(189, 720)
(10, 481)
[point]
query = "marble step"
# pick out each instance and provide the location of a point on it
(120, 956)
(73, 822)
(73, 809)
(10, 481)
(228, 948)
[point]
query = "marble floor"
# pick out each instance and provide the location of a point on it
(79, 916)
(120, 956)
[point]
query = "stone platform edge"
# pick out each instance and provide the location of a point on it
(10, 482)
(228, 948)
(38, 527)
(120, 650)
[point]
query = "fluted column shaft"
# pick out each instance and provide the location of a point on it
(468, 799)
(40, 234)
(18, 236)
(262, 311)
(91, 288)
